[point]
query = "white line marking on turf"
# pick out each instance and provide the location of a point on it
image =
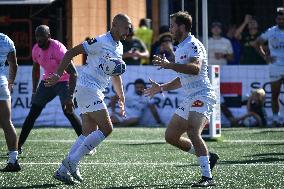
(150, 164)
(152, 141)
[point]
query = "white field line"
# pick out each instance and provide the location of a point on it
(148, 164)
(151, 141)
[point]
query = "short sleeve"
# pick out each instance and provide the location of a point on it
(194, 50)
(11, 45)
(61, 52)
(91, 46)
(265, 35)
(229, 47)
(34, 54)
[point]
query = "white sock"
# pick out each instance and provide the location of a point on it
(204, 165)
(191, 150)
(72, 150)
(13, 156)
(276, 117)
(90, 142)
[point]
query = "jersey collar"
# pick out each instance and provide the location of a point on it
(115, 43)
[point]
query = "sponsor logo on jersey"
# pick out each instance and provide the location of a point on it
(197, 103)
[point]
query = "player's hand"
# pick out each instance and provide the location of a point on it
(69, 106)
(10, 87)
(162, 62)
(219, 55)
(270, 59)
(154, 89)
(248, 18)
(52, 80)
(121, 101)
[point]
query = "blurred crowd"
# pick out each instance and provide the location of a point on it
(227, 45)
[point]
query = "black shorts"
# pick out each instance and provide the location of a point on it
(46, 94)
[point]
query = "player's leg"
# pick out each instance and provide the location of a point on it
(275, 74)
(199, 113)
(62, 173)
(41, 98)
(174, 131)
(61, 90)
(9, 130)
(196, 124)
(275, 92)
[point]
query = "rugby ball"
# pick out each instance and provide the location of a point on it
(114, 66)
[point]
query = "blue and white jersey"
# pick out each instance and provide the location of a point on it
(98, 49)
(6, 46)
(194, 85)
(275, 38)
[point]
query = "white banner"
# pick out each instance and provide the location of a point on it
(235, 81)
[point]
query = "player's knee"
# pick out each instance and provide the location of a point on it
(107, 130)
(170, 138)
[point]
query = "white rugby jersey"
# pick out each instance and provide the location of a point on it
(275, 38)
(194, 85)
(98, 50)
(6, 46)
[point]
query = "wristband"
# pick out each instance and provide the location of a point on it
(57, 75)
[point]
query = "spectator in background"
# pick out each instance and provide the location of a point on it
(165, 48)
(135, 106)
(235, 44)
(220, 49)
(145, 34)
(256, 115)
(247, 39)
(156, 44)
(133, 49)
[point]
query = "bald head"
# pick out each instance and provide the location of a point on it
(121, 18)
(43, 29)
(121, 25)
(42, 34)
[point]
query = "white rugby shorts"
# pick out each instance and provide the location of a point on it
(89, 99)
(276, 72)
(4, 92)
(203, 105)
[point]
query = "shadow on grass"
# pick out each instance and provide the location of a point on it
(143, 143)
(266, 154)
(184, 185)
(273, 144)
(254, 161)
(31, 186)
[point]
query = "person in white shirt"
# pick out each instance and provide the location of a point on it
(220, 49)
(198, 99)
(135, 106)
(274, 36)
(8, 52)
(96, 122)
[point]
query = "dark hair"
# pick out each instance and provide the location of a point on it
(280, 11)
(165, 37)
(140, 81)
(163, 29)
(183, 17)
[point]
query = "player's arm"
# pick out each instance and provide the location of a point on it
(13, 67)
(79, 49)
(157, 88)
(35, 76)
(118, 87)
(71, 70)
(192, 67)
(260, 45)
(155, 114)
